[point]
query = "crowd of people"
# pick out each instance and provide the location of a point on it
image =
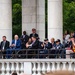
(33, 41)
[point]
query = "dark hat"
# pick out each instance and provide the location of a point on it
(46, 39)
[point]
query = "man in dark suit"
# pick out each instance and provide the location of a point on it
(4, 45)
(34, 45)
(24, 39)
(34, 33)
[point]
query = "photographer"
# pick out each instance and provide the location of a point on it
(47, 44)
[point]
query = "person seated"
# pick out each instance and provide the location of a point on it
(33, 47)
(28, 44)
(58, 44)
(40, 44)
(4, 45)
(53, 43)
(46, 45)
(26, 50)
(24, 39)
(14, 47)
(59, 49)
(16, 43)
(34, 33)
(68, 43)
(34, 44)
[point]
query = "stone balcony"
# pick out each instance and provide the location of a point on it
(35, 66)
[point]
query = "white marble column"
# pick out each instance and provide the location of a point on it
(28, 15)
(55, 19)
(33, 16)
(41, 18)
(6, 19)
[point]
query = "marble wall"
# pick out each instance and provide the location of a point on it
(6, 19)
(41, 18)
(33, 16)
(55, 19)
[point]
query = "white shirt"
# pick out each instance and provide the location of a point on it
(3, 44)
(15, 42)
(67, 38)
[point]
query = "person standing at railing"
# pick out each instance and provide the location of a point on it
(24, 39)
(4, 46)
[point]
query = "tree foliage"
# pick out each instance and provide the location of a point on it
(69, 15)
(16, 17)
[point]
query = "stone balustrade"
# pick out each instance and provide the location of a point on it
(35, 66)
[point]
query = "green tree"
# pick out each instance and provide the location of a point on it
(16, 17)
(69, 15)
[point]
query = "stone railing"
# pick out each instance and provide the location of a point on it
(35, 66)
